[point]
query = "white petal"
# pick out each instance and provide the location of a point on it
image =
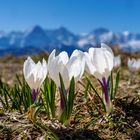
(30, 81)
(51, 65)
(109, 57)
(51, 57)
(77, 53)
(44, 66)
(74, 68)
(63, 56)
(55, 68)
(28, 66)
(65, 77)
(89, 67)
(83, 63)
(99, 60)
(105, 47)
(37, 71)
(91, 53)
(110, 62)
(54, 72)
(80, 55)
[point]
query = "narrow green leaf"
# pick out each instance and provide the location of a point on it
(86, 89)
(97, 94)
(111, 86)
(63, 90)
(3, 104)
(6, 100)
(63, 95)
(46, 97)
(53, 92)
(71, 96)
(18, 79)
(117, 82)
(46, 103)
(7, 92)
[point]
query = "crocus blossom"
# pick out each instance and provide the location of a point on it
(99, 62)
(34, 75)
(133, 64)
(117, 61)
(67, 67)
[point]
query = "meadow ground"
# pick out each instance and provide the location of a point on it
(87, 121)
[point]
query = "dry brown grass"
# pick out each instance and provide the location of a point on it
(86, 122)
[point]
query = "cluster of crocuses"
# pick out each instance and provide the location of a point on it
(97, 62)
(133, 64)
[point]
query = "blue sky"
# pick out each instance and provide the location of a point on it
(77, 15)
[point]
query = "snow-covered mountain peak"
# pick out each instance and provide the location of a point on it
(125, 33)
(37, 38)
(100, 31)
(34, 30)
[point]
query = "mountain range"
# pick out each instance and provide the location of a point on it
(37, 39)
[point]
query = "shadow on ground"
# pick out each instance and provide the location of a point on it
(76, 134)
(130, 107)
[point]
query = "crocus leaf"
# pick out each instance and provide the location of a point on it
(86, 89)
(97, 94)
(71, 96)
(53, 91)
(18, 79)
(63, 92)
(46, 98)
(117, 82)
(110, 83)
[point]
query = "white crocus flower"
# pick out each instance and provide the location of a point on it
(117, 61)
(34, 75)
(99, 62)
(67, 67)
(133, 64)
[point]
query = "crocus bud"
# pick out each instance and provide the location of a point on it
(99, 62)
(34, 75)
(67, 67)
(133, 64)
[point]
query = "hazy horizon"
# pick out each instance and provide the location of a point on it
(45, 28)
